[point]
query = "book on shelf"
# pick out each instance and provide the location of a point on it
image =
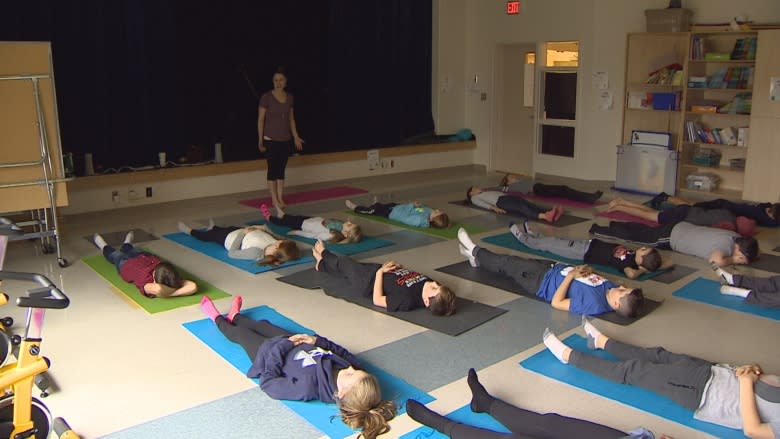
(728, 136)
(640, 100)
(697, 82)
(665, 75)
(742, 136)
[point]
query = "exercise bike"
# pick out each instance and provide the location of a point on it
(21, 415)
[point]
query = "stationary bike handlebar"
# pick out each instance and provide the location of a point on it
(47, 296)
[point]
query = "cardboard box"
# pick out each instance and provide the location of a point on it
(668, 20)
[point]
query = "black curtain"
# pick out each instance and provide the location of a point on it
(135, 77)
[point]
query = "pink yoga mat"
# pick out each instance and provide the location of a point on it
(622, 216)
(555, 200)
(303, 197)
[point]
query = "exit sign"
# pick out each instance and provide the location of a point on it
(512, 8)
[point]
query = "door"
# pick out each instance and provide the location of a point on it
(513, 109)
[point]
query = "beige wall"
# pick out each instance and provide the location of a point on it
(600, 26)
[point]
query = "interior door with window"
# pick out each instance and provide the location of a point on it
(513, 109)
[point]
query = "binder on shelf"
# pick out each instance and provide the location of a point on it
(651, 138)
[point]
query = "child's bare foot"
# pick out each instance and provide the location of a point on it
(350, 204)
(316, 251)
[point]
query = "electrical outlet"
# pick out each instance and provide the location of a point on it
(148, 192)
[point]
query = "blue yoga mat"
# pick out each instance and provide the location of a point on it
(507, 240)
(463, 415)
(544, 363)
(321, 415)
(708, 291)
(219, 253)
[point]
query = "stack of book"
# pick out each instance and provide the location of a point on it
(666, 75)
(731, 77)
(744, 48)
(698, 133)
(741, 104)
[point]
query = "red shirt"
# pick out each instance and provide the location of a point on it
(140, 270)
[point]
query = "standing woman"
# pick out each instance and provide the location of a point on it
(275, 128)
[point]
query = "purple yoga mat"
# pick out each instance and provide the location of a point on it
(622, 216)
(303, 197)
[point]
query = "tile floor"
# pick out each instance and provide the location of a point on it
(117, 366)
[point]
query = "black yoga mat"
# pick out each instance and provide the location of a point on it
(465, 271)
(767, 262)
(563, 221)
(469, 314)
(115, 239)
(674, 274)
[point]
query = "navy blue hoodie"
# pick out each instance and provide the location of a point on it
(300, 373)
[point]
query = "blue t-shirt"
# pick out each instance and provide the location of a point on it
(588, 296)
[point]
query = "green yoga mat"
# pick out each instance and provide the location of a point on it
(152, 306)
(450, 232)
(507, 240)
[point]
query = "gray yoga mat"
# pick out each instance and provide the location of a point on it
(466, 271)
(767, 262)
(469, 314)
(115, 239)
(673, 274)
(563, 221)
(402, 240)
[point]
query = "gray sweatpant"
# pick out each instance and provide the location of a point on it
(528, 273)
(679, 377)
(567, 248)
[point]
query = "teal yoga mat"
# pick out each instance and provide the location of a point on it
(219, 253)
(507, 240)
(708, 291)
(544, 363)
(463, 415)
(321, 415)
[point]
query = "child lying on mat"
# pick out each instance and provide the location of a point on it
(761, 291)
(411, 214)
(735, 397)
(502, 203)
(521, 422)
(304, 367)
(525, 185)
(592, 251)
(151, 275)
(719, 218)
(722, 247)
(253, 242)
(574, 289)
(390, 285)
(329, 230)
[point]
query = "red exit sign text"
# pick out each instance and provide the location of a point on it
(513, 8)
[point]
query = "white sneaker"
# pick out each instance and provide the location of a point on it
(129, 237)
(468, 255)
(465, 240)
(99, 241)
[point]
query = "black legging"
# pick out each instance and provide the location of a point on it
(528, 424)
(248, 333)
(276, 155)
(215, 234)
(358, 277)
(376, 209)
(292, 221)
(635, 232)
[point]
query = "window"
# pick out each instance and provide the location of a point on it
(529, 76)
(558, 112)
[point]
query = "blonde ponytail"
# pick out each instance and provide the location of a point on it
(363, 408)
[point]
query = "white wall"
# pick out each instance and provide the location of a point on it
(600, 26)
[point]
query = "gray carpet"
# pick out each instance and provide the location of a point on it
(430, 360)
(232, 416)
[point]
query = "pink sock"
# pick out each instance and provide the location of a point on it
(235, 308)
(265, 212)
(558, 212)
(208, 308)
(549, 216)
